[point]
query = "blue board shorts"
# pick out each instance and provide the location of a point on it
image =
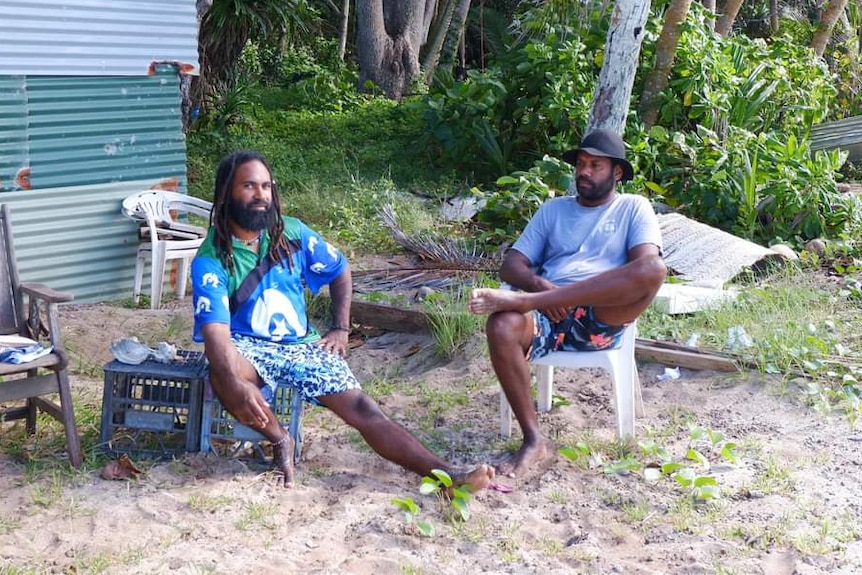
(580, 331)
(305, 367)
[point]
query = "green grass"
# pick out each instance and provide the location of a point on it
(336, 171)
(802, 326)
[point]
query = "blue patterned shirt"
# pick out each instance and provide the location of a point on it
(262, 298)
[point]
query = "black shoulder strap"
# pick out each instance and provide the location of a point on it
(256, 275)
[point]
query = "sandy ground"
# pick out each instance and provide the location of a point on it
(790, 503)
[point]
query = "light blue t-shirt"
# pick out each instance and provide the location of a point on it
(567, 242)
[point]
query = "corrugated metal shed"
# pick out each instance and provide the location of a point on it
(89, 142)
(95, 37)
(87, 118)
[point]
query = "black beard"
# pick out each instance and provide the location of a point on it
(253, 220)
(599, 189)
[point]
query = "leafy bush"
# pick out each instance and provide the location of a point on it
(309, 77)
(533, 102)
(508, 208)
(730, 150)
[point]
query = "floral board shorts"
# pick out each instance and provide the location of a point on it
(306, 367)
(581, 331)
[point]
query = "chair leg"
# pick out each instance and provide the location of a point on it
(30, 421)
(295, 426)
(505, 415)
(73, 442)
(545, 384)
(624, 398)
(182, 277)
(157, 276)
(139, 278)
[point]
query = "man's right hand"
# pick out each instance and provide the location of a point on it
(556, 314)
(247, 405)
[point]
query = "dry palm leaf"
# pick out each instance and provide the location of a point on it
(442, 253)
(444, 262)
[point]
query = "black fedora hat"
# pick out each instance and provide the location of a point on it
(604, 143)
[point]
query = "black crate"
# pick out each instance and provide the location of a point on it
(153, 410)
(224, 435)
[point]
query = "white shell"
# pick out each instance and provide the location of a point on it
(130, 350)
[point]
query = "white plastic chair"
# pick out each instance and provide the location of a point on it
(164, 238)
(620, 365)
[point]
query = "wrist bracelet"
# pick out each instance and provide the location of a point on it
(339, 328)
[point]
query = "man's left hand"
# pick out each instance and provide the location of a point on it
(335, 341)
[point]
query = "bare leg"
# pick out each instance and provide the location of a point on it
(509, 338)
(395, 443)
(490, 300)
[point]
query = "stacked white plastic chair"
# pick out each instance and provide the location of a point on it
(165, 238)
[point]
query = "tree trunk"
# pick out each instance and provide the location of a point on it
(614, 89)
(342, 34)
(710, 5)
(438, 34)
(665, 51)
(827, 22)
(773, 17)
(850, 39)
(455, 36)
(725, 21)
(388, 38)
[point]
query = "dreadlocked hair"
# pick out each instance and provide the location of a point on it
(279, 249)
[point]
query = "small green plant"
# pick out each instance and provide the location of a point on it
(508, 208)
(259, 516)
(412, 523)
(440, 483)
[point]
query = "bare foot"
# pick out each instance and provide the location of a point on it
(532, 459)
(489, 300)
(282, 457)
(475, 480)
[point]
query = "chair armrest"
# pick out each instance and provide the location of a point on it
(45, 293)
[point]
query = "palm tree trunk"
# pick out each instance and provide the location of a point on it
(773, 17)
(614, 89)
(710, 5)
(342, 33)
(455, 37)
(725, 22)
(827, 22)
(665, 51)
(438, 33)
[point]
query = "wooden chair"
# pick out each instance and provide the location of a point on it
(39, 320)
(164, 238)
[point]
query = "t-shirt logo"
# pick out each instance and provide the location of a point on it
(274, 316)
(209, 278)
(203, 305)
(609, 227)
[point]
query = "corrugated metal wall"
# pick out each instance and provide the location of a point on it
(75, 239)
(89, 142)
(95, 37)
(97, 130)
(85, 120)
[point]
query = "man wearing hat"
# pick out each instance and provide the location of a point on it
(586, 266)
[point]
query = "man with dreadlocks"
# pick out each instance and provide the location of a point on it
(249, 308)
